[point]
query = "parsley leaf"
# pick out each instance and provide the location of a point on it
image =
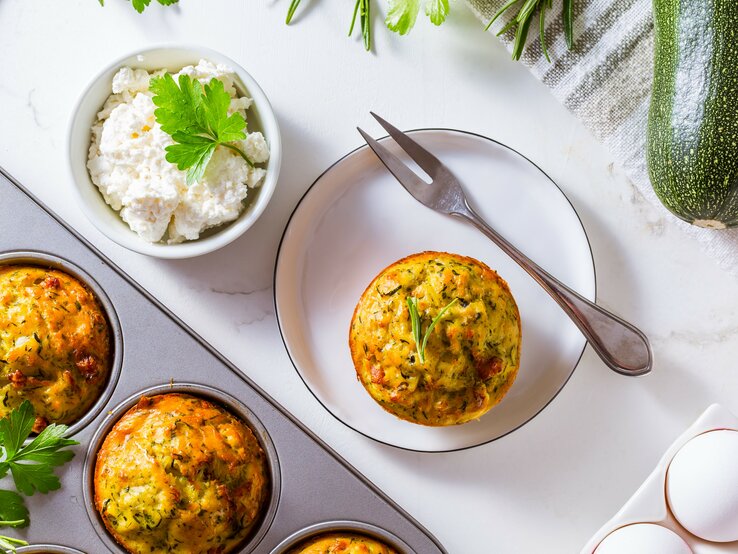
(437, 10)
(196, 117)
(32, 466)
(140, 5)
(401, 15)
(13, 512)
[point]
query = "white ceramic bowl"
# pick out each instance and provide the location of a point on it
(260, 117)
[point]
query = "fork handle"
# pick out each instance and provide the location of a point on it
(622, 346)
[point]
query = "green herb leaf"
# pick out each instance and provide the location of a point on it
(420, 344)
(15, 428)
(32, 466)
(401, 15)
(362, 9)
(291, 11)
(433, 323)
(140, 5)
(412, 306)
(197, 119)
(178, 106)
(13, 511)
(437, 10)
(522, 20)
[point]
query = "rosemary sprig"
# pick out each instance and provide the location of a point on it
(412, 305)
(522, 21)
(361, 8)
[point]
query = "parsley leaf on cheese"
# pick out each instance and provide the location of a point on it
(196, 117)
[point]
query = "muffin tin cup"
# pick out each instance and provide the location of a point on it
(310, 482)
(649, 503)
(233, 406)
(339, 526)
(46, 260)
(47, 549)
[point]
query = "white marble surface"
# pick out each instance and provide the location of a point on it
(546, 487)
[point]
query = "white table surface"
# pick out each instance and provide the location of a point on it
(548, 486)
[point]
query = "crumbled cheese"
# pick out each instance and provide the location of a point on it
(127, 162)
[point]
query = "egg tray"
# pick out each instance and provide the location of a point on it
(649, 504)
(313, 489)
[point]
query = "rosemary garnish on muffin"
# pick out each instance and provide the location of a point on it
(412, 305)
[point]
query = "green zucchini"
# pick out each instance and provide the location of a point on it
(692, 137)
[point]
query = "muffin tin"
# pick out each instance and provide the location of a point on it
(156, 352)
(649, 503)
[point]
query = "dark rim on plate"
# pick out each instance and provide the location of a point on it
(341, 526)
(44, 260)
(276, 269)
(218, 397)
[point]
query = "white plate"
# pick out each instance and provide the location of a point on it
(356, 219)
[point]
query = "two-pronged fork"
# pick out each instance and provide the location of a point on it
(623, 347)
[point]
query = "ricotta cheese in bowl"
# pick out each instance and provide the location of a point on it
(127, 162)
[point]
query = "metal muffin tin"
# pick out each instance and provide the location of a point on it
(154, 347)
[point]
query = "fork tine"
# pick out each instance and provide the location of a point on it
(427, 161)
(406, 176)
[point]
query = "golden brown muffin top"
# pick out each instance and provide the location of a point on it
(472, 352)
(343, 543)
(178, 473)
(55, 346)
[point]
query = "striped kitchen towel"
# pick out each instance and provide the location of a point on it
(606, 83)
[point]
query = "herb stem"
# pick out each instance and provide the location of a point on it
(291, 11)
(412, 304)
(241, 152)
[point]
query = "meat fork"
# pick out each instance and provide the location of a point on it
(622, 346)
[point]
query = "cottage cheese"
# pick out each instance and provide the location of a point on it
(127, 162)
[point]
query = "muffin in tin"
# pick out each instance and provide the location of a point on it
(55, 344)
(178, 473)
(343, 543)
(468, 322)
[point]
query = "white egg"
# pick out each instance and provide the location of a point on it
(643, 538)
(702, 486)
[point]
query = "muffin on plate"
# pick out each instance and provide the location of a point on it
(178, 473)
(55, 345)
(343, 543)
(435, 338)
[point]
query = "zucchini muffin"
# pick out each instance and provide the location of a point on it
(435, 339)
(55, 346)
(178, 473)
(343, 543)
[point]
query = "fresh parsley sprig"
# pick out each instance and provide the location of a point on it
(412, 305)
(196, 117)
(30, 465)
(522, 21)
